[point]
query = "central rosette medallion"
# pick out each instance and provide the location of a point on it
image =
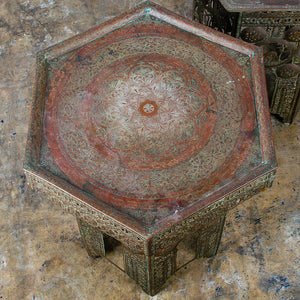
(148, 108)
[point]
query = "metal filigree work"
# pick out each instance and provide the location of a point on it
(93, 239)
(149, 129)
(277, 31)
(212, 13)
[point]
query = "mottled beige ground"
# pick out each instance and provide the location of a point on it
(41, 253)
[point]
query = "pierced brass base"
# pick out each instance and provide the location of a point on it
(152, 271)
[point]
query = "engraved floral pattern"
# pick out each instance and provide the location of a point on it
(163, 156)
(177, 113)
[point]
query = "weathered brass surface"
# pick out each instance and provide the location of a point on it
(149, 128)
(273, 25)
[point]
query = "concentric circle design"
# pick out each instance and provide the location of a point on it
(148, 117)
(117, 103)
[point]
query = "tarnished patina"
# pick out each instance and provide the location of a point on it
(149, 128)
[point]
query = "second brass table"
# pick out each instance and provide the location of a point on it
(273, 25)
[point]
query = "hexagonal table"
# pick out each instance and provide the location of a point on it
(149, 128)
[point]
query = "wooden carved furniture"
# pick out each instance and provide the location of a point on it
(149, 128)
(273, 25)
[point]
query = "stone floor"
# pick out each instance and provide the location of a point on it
(41, 253)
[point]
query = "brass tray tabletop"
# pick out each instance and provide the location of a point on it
(149, 128)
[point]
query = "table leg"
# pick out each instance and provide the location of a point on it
(150, 272)
(93, 239)
(209, 239)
